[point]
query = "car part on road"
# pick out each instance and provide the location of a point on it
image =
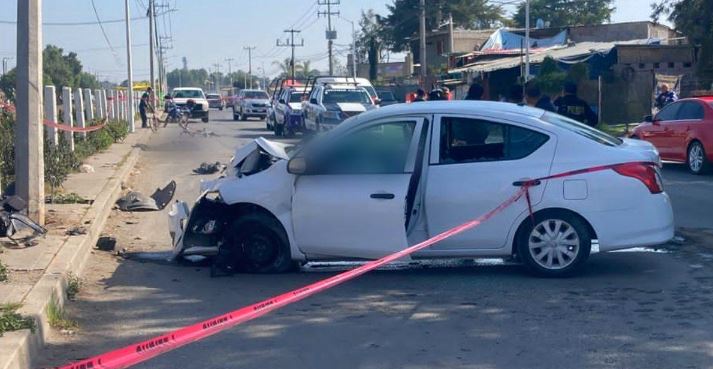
(106, 243)
(16, 226)
(136, 201)
(206, 168)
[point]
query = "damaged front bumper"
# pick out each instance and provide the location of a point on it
(197, 231)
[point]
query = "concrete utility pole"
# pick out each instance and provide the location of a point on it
(130, 74)
(331, 34)
(217, 77)
(250, 62)
(527, 42)
(230, 71)
(151, 14)
(29, 143)
(4, 64)
(291, 43)
(422, 46)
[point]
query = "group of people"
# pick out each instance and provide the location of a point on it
(568, 104)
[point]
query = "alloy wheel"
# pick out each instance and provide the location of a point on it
(695, 157)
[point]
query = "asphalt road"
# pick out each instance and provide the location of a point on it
(628, 310)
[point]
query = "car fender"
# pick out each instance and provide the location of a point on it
(270, 189)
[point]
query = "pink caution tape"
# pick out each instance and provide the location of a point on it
(68, 128)
(145, 350)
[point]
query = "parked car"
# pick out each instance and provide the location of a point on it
(328, 105)
(200, 110)
(682, 132)
(396, 176)
(287, 111)
(251, 103)
(361, 82)
(386, 98)
(215, 101)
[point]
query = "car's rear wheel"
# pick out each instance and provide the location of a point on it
(555, 244)
(243, 117)
(258, 244)
(696, 159)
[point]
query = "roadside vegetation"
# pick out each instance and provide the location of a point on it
(3, 272)
(57, 317)
(12, 321)
(74, 285)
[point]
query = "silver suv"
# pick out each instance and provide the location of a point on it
(251, 103)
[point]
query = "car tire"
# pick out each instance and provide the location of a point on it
(205, 119)
(696, 159)
(236, 117)
(258, 244)
(243, 117)
(278, 130)
(554, 243)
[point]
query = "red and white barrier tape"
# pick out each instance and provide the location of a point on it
(68, 128)
(145, 350)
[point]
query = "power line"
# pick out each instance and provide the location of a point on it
(83, 23)
(106, 38)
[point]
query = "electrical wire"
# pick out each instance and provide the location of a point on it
(106, 38)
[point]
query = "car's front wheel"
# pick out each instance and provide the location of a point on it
(243, 117)
(554, 244)
(697, 160)
(258, 244)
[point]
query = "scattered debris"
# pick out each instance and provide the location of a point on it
(76, 231)
(136, 201)
(106, 243)
(206, 168)
(86, 168)
(16, 226)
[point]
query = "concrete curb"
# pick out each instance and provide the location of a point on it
(18, 348)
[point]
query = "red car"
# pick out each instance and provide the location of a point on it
(682, 132)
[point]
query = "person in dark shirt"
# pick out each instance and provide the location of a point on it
(420, 95)
(515, 94)
(144, 106)
(475, 92)
(535, 98)
(575, 108)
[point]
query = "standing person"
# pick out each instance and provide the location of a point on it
(515, 94)
(535, 98)
(475, 92)
(435, 94)
(145, 106)
(420, 95)
(571, 106)
(665, 97)
(446, 93)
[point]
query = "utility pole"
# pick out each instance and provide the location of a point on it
(422, 47)
(250, 62)
(527, 42)
(230, 71)
(217, 77)
(331, 34)
(354, 37)
(151, 14)
(29, 142)
(130, 78)
(291, 43)
(4, 64)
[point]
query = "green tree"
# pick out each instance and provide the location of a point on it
(402, 22)
(561, 13)
(693, 18)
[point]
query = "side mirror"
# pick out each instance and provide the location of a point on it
(377, 101)
(649, 118)
(297, 166)
(313, 101)
(281, 101)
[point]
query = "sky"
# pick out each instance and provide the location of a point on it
(206, 32)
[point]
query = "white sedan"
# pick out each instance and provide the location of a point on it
(395, 176)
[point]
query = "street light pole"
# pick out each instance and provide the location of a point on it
(354, 71)
(250, 62)
(130, 78)
(527, 42)
(422, 47)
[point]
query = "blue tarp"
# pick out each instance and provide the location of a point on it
(505, 40)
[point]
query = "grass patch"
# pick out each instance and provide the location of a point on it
(74, 284)
(3, 272)
(12, 321)
(68, 198)
(57, 318)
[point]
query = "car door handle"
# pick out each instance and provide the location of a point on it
(529, 182)
(383, 196)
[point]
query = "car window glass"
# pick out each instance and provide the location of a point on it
(295, 97)
(256, 95)
(690, 111)
(581, 129)
(188, 94)
(346, 96)
(378, 149)
(466, 140)
(669, 112)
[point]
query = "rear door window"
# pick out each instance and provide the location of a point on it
(690, 110)
(581, 129)
(467, 140)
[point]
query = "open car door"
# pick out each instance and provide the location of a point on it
(353, 204)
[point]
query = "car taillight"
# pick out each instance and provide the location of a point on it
(644, 172)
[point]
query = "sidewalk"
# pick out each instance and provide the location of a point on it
(38, 273)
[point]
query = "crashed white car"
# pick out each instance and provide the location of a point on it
(396, 176)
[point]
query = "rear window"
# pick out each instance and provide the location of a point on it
(296, 97)
(256, 95)
(581, 129)
(188, 94)
(346, 96)
(213, 96)
(386, 96)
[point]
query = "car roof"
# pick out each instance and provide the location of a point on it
(484, 108)
(252, 90)
(187, 88)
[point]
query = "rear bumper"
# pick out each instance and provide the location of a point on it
(652, 224)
